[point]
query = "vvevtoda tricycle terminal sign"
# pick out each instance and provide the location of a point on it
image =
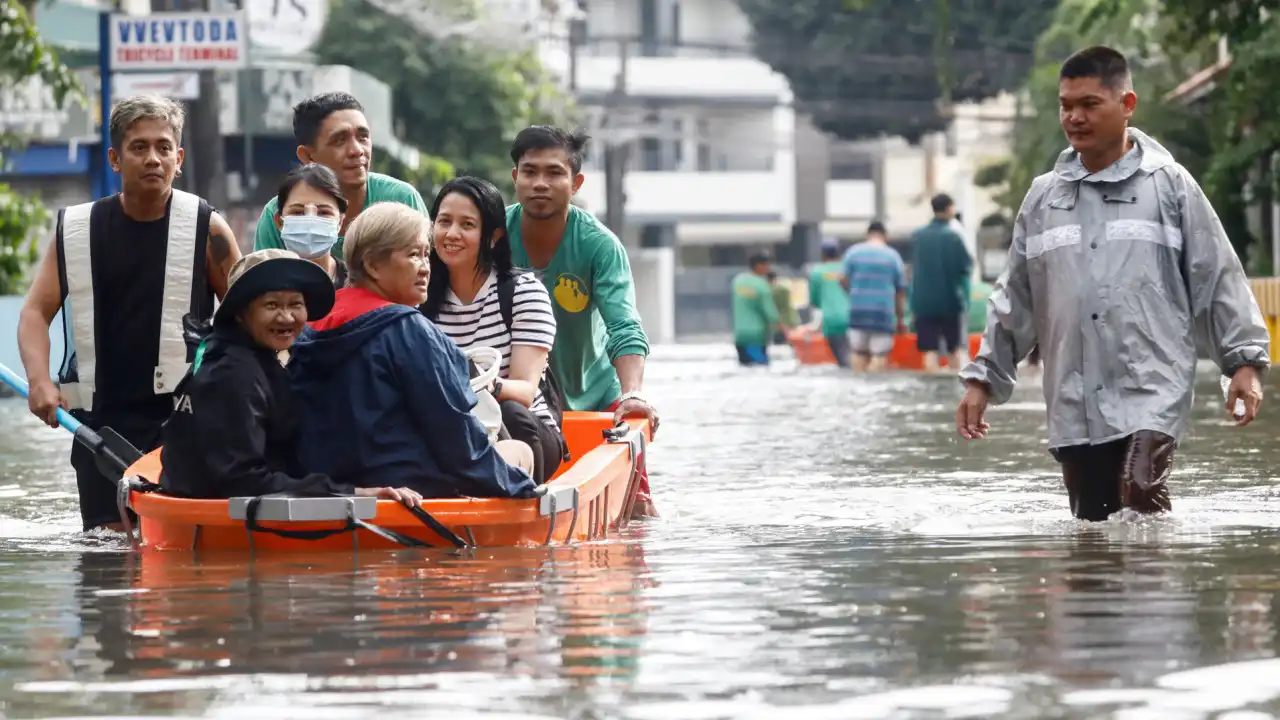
(179, 40)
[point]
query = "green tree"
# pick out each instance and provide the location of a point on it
(863, 68)
(22, 57)
(458, 101)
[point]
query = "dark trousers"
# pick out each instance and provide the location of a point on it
(547, 442)
(97, 491)
(1131, 472)
(839, 344)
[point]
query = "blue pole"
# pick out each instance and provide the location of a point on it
(15, 381)
(105, 183)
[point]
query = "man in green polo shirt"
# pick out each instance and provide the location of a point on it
(600, 347)
(331, 129)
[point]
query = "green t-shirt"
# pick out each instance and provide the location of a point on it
(940, 272)
(827, 295)
(978, 297)
(594, 300)
(755, 313)
(379, 188)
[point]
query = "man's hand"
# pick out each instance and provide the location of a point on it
(902, 327)
(44, 399)
(635, 407)
(1246, 386)
(973, 406)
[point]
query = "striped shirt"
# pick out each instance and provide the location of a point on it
(875, 275)
(479, 324)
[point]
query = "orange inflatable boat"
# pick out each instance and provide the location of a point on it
(588, 498)
(812, 349)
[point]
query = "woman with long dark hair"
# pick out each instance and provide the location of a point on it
(476, 298)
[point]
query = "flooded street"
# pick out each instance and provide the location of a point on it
(829, 549)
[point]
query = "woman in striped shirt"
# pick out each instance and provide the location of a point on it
(470, 259)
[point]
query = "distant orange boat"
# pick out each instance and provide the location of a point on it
(812, 349)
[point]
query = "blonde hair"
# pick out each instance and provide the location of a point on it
(145, 107)
(377, 232)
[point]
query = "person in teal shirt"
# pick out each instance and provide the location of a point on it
(331, 129)
(600, 347)
(755, 312)
(830, 302)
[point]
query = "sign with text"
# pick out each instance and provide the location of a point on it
(179, 40)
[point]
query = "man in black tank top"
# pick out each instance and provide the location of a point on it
(134, 271)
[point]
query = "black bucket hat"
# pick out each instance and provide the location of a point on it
(272, 270)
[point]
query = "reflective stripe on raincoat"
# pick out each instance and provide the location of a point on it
(1117, 274)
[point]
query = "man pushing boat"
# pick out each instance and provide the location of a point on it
(135, 275)
(1118, 264)
(600, 348)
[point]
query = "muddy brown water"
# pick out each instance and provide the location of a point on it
(829, 550)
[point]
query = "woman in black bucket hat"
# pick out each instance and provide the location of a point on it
(233, 428)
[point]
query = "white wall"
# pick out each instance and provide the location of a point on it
(717, 22)
(653, 270)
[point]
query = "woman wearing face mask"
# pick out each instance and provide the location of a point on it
(233, 429)
(310, 207)
(382, 395)
(470, 272)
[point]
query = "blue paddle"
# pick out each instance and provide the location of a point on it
(112, 453)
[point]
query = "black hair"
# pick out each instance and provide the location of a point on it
(491, 255)
(315, 175)
(772, 275)
(830, 252)
(941, 202)
(310, 114)
(877, 227)
(546, 137)
(1106, 64)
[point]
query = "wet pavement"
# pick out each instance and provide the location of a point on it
(829, 550)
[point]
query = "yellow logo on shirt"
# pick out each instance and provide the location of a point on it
(746, 291)
(571, 293)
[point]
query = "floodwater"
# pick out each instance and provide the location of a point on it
(829, 550)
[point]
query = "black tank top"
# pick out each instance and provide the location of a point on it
(128, 294)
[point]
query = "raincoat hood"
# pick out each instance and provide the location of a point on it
(357, 317)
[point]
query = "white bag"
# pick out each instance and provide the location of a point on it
(487, 410)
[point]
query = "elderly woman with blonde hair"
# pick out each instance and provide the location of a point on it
(383, 396)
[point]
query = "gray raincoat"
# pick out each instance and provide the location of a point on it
(1116, 275)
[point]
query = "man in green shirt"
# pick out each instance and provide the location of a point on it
(600, 346)
(331, 130)
(755, 312)
(830, 301)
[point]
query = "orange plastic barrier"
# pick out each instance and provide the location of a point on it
(602, 473)
(812, 349)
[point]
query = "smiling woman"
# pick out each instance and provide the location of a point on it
(233, 428)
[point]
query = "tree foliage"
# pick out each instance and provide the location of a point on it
(865, 68)
(460, 102)
(24, 56)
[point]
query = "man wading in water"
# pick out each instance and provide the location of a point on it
(135, 275)
(1118, 264)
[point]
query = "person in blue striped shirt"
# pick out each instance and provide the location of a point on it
(877, 283)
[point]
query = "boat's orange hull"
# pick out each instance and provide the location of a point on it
(812, 349)
(601, 472)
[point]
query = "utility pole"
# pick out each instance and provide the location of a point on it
(204, 172)
(617, 150)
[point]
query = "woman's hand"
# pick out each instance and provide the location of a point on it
(405, 496)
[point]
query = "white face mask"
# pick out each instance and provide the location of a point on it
(309, 235)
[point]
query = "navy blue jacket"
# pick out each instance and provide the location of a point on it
(383, 400)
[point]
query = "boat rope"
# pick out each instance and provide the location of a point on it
(352, 524)
(635, 440)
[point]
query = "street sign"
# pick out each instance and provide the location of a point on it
(179, 40)
(176, 85)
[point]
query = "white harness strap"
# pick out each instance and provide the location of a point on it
(179, 266)
(77, 261)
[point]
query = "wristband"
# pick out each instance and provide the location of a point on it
(633, 395)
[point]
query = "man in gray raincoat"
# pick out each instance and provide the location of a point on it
(1118, 265)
